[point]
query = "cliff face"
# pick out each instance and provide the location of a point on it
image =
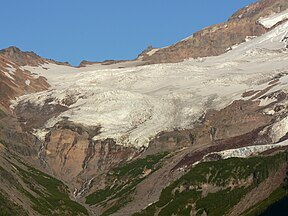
(219, 38)
(72, 155)
(206, 136)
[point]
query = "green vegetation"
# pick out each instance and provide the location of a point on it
(119, 204)
(136, 168)
(122, 181)
(8, 177)
(3, 142)
(9, 208)
(222, 172)
(259, 208)
(228, 178)
(2, 114)
(221, 202)
(49, 196)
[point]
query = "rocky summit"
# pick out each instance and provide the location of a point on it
(219, 38)
(197, 128)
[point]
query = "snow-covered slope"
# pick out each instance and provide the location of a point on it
(247, 151)
(133, 104)
(272, 20)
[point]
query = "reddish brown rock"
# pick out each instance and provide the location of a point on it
(73, 156)
(21, 58)
(219, 38)
(15, 81)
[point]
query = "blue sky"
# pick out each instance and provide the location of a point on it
(96, 30)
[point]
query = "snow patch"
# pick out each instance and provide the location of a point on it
(151, 52)
(279, 130)
(40, 133)
(249, 38)
(272, 20)
(247, 151)
(27, 82)
(8, 75)
(11, 69)
(266, 101)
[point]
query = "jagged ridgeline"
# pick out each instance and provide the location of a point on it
(203, 133)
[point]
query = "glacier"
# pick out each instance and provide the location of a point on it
(133, 103)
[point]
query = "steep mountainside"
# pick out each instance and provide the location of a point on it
(15, 81)
(206, 136)
(219, 38)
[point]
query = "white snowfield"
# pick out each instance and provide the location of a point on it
(247, 151)
(133, 104)
(272, 20)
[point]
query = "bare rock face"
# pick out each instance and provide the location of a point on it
(32, 116)
(16, 140)
(21, 58)
(71, 154)
(85, 63)
(65, 152)
(237, 119)
(15, 81)
(217, 39)
(242, 123)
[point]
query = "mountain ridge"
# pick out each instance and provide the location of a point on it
(210, 41)
(134, 138)
(217, 39)
(24, 58)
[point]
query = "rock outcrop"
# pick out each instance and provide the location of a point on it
(16, 81)
(60, 131)
(219, 38)
(21, 58)
(71, 154)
